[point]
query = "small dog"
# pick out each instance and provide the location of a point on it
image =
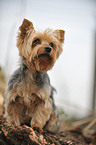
(29, 97)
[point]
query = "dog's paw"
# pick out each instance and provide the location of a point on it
(37, 128)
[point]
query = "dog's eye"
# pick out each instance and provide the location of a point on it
(51, 44)
(37, 41)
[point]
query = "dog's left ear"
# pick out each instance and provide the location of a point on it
(24, 31)
(26, 25)
(60, 35)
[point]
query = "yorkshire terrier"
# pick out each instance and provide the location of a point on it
(29, 96)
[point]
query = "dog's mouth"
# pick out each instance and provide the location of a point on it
(46, 55)
(42, 62)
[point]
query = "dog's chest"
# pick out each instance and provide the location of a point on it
(38, 86)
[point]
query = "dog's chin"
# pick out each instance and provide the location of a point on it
(43, 62)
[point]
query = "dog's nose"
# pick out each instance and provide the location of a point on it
(48, 49)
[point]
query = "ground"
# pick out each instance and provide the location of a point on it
(24, 135)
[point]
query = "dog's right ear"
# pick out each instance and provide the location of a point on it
(26, 25)
(60, 35)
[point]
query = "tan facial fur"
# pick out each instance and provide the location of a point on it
(32, 53)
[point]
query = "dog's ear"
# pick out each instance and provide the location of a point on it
(26, 25)
(60, 35)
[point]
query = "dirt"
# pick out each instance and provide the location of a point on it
(24, 135)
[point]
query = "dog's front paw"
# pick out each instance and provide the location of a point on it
(37, 128)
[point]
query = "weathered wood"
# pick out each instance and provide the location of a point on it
(24, 135)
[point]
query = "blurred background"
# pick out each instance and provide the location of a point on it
(73, 75)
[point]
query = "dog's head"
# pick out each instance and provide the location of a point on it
(37, 49)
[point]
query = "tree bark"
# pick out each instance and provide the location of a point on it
(24, 135)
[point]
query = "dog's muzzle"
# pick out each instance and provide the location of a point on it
(48, 49)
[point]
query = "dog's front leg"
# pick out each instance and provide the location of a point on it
(13, 109)
(12, 114)
(42, 114)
